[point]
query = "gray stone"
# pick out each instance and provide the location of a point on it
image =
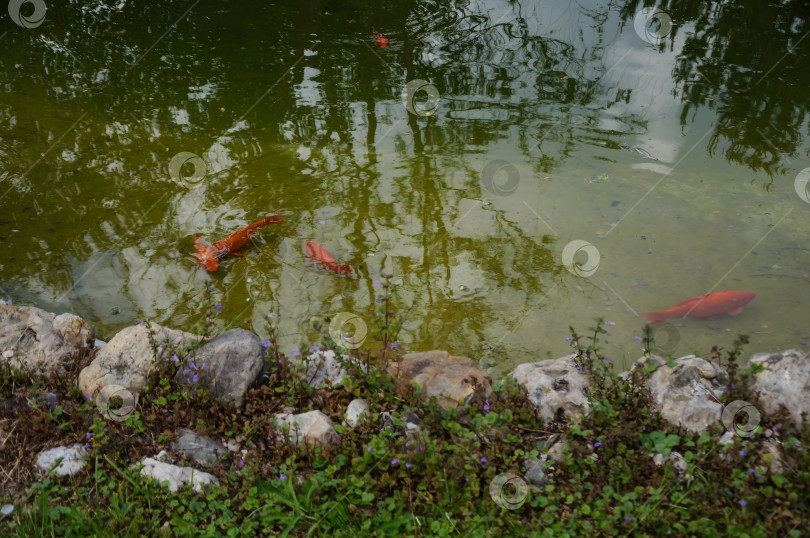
(322, 367)
(784, 382)
(688, 393)
(127, 359)
(555, 387)
(358, 409)
(233, 362)
(451, 379)
(177, 476)
(201, 449)
(535, 473)
(678, 464)
(6, 509)
(31, 338)
(72, 462)
(313, 427)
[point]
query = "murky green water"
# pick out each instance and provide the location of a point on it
(520, 141)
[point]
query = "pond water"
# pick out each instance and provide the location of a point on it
(462, 155)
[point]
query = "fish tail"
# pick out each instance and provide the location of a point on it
(656, 317)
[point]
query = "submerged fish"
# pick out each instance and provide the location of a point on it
(382, 41)
(321, 257)
(710, 305)
(208, 257)
(641, 151)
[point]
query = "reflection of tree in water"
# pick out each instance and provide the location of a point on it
(749, 62)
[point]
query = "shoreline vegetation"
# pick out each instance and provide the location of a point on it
(371, 441)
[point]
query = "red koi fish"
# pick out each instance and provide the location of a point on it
(320, 256)
(709, 306)
(208, 257)
(382, 41)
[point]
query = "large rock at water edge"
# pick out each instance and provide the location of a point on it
(555, 387)
(449, 378)
(127, 359)
(784, 382)
(688, 393)
(233, 362)
(40, 341)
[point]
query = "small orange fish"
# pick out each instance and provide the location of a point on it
(382, 41)
(208, 257)
(321, 257)
(709, 306)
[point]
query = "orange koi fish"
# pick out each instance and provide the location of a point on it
(382, 41)
(208, 257)
(320, 256)
(709, 306)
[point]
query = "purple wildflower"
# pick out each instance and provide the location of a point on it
(605, 359)
(483, 459)
(266, 343)
(394, 461)
(743, 452)
(408, 465)
(282, 476)
(368, 449)
(195, 378)
(628, 518)
(141, 323)
(376, 282)
(609, 323)
(636, 339)
(743, 503)
(241, 462)
(219, 308)
(486, 406)
(174, 358)
(393, 345)
(750, 471)
(597, 444)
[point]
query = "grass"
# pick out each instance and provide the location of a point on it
(381, 481)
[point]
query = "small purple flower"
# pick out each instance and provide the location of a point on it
(628, 518)
(142, 323)
(241, 462)
(195, 378)
(579, 367)
(219, 308)
(211, 288)
(185, 371)
(294, 352)
(378, 301)
(174, 358)
(486, 406)
(87, 445)
(743, 503)
(408, 465)
(282, 476)
(368, 449)
(376, 282)
(467, 478)
(609, 323)
(605, 359)
(597, 444)
(89, 435)
(568, 339)
(636, 339)
(743, 452)
(266, 343)
(266, 376)
(394, 461)
(393, 345)
(751, 471)
(483, 459)
(89, 397)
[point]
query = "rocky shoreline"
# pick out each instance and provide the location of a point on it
(686, 391)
